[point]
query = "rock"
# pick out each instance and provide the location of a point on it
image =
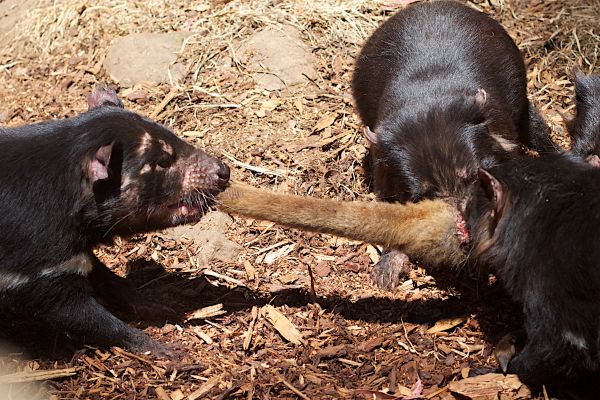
(278, 58)
(209, 236)
(145, 57)
(11, 12)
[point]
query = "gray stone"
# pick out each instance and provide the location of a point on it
(278, 57)
(11, 12)
(209, 236)
(145, 57)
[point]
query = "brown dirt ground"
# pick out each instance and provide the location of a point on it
(354, 335)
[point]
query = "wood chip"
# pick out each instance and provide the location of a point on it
(325, 121)
(293, 388)
(205, 388)
(162, 394)
(490, 386)
(446, 324)
(275, 255)
(333, 351)
(370, 344)
(125, 353)
(248, 337)
(39, 375)
(202, 335)
(250, 271)
(177, 395)
(226, 278)
(282, 324)
(207, 312)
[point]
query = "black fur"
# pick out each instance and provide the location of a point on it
(585, 127)
(68, 185)
(539, 235)
(443, 88)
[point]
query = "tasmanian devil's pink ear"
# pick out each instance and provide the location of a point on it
(480, 97)
(494, 190)
(370, 135)
(98, 164)
(593, 160)
(103, 95)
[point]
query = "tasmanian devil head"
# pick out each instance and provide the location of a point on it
(436, 150)
(138, 175)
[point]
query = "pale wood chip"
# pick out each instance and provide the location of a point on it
(205, 387)
(248, 336)
(325, 121)
(39, 375)
(207, 312)
(490, 386)
(282, 324)
(445, 324)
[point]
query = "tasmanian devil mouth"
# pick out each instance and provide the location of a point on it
(185, 209)
(190, 206)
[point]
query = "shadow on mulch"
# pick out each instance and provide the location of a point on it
(496, 313)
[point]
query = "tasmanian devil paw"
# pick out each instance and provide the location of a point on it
(144, 344)
(391, 269)
(170, 351)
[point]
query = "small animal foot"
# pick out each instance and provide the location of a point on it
(391, 270)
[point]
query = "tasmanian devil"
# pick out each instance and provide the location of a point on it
(69, 185)
(534, 222)
(584, 128)
(441, 89)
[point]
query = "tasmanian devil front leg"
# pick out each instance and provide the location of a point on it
(117, 292)
(61, 296)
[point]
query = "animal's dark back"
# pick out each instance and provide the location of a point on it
(444, 39)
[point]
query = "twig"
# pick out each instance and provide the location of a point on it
(170, 96)
(248, 338)
(226, 278)
(41, 375)
(131, 355)
(313, 295)
(253, 168)
(292, 388)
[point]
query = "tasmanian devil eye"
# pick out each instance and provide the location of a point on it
(164, 162)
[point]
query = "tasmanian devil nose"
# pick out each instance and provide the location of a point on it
(223, 173)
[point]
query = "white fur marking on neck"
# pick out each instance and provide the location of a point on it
(79, 264)
(575, 340)
(505, 143)
(12, 280)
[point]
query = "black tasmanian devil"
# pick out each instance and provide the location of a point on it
(68, 185)
(441, 89)
(535, 223)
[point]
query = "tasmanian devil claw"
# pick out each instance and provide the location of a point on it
(505, 351)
